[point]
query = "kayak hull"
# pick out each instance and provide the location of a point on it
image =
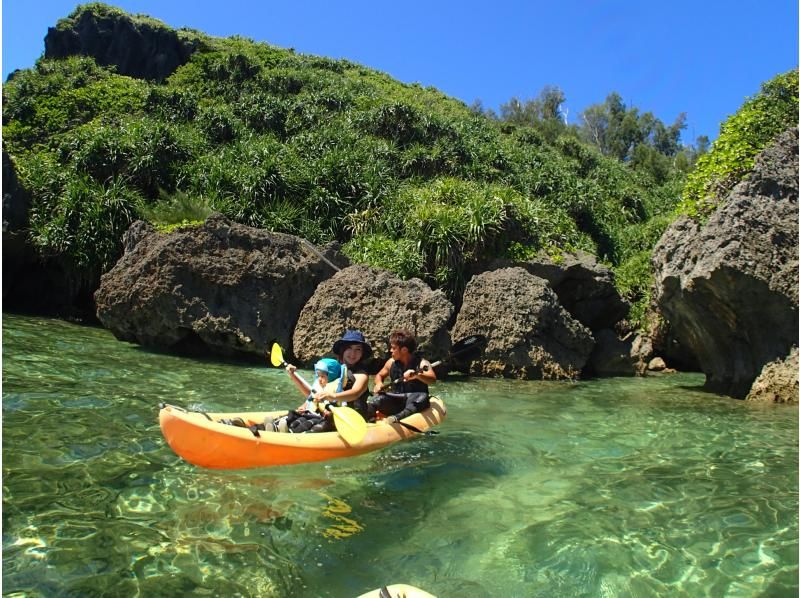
(201, 440)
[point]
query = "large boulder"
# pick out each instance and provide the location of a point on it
(530, 334)
(222, 288)
(584, 286)
(376, 302)
(138, 47)
(729, 287)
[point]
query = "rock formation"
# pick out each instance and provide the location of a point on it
(376, 302)
(142, 48)
(33, 283)
(612, 356)
(222, 287)
(584, 286)
(778, 381)
(729, 287)
(530, 334)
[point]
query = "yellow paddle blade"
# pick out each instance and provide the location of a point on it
(276, 355)
(349, 423)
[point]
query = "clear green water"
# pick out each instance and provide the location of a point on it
(619, 487)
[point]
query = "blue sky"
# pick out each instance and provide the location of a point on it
(703, 57)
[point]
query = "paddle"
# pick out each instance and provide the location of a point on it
(466, 347)
(471, 347)
(349, 423)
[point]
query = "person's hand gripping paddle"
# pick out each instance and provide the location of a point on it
(349, 423)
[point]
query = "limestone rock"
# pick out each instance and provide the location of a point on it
(31, 282)
(612, 356)
(778, 381)
(530, 334)
(584, 286)
(729, 287)
(142, 48)
(376, 302)
(223, 288)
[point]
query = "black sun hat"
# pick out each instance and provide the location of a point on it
(352, 337)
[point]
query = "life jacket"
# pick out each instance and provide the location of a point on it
(396, 373)
(346, 381)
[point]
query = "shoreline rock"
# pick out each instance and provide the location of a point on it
(729, 287)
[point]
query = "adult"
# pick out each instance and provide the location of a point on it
(409, 375)
(353, 352)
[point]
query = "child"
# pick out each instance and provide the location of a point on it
(305, 416)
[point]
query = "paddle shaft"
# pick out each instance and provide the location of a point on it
(476, 341)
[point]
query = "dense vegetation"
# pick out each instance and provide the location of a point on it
(741, 138)
(405, 177)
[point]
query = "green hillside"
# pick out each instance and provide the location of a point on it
(403, 176)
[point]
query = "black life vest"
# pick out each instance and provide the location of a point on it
(396, 373)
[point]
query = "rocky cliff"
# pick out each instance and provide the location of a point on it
(137, 47)
(729, 287)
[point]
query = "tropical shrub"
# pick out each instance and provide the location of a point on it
(760, 119)
(402, 175)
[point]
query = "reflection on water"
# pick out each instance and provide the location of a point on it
(620, 487)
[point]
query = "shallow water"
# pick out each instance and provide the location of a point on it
(618, 487)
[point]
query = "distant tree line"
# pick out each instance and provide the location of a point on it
(637, 138)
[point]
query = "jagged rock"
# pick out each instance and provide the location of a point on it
(19, 258)
(729, 287)
(222, 288)
(135, 233)
(18, 255)
(778, 381)
(142, 48)
(376, 302)
(530, 334)
(661, 340)
(641, 352)
(584, 286)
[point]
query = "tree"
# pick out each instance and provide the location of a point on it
(618, 130)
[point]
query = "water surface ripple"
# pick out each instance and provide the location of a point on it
(618, 487)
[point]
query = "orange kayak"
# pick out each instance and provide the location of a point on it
(200, 439)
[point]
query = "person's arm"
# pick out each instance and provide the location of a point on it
(355, 391)
(303, 386)
(426, 376)
(381, 376)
